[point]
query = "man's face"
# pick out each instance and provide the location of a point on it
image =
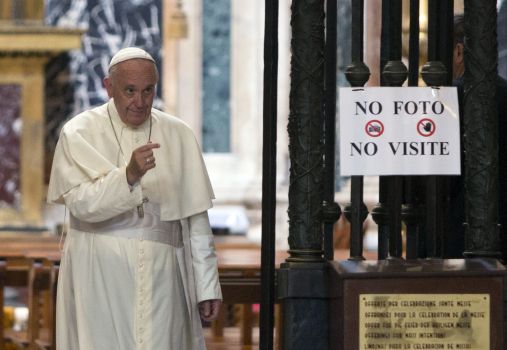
(132, 85)
(458, 61)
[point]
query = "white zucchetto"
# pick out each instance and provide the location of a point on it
(129, 53)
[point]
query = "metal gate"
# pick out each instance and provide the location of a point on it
(421, 203)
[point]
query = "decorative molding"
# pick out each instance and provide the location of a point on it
(37, 40)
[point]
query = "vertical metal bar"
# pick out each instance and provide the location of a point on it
(357, 74)
(384, 40)
(394, 73)
(331, 209)
(395, 30)
(432, 204)
(395, 241)
(413, 48)
(381, 217)
(439, 48)
(411, 217)
(269, 174)
(432, 29)
(357, 30)
(410, 209)
(481, 127)
(356, 189)
(445, 51)
(431, 217)
(358, 215)
(380, 212)
(445, 36)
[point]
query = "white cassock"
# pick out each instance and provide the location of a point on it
(128, 282)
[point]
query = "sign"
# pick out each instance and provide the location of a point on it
(424, 321)
(399, 131)
(374, 128)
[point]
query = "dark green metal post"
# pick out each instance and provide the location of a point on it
(306, 118)
(303, 278)
(482, 238)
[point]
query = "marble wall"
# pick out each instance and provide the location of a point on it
(343, 60)
(74, 81)
(10, 133)
(216, 81)
(502, 38)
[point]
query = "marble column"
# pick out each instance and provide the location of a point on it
(10, 133)
(502, 38)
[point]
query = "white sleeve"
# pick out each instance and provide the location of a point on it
(104, 198)
(204, 259)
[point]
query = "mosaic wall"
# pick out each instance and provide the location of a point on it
(216, 75)
(10, 132)
(74, 80)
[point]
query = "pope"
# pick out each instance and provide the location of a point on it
(138, 268)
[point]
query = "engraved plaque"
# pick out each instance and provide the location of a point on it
(424, 321)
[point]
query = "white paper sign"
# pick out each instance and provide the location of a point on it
(399, 131)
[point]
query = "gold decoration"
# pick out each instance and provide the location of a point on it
(178, 23)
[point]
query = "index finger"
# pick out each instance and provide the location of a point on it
(149, 146)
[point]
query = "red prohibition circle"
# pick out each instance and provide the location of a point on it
(374, 128)
(426, 127)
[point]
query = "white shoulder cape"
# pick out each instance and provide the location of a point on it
(87, 150)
